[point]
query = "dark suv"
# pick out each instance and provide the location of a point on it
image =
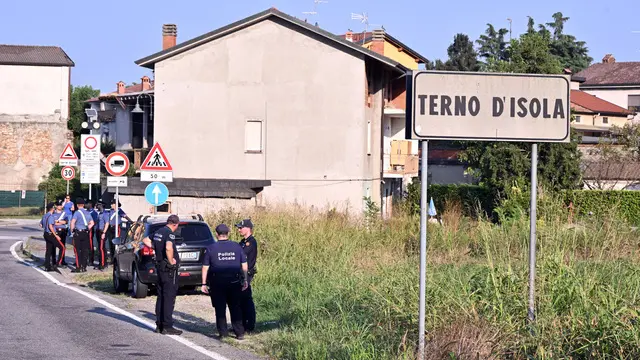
(134, 262)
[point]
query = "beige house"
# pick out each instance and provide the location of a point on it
(34, 109)
(615, 82)
(274, 101)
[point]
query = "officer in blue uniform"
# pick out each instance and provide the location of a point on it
(167, 265)
(224, 274)
(61, 223)
(103, 218)
(48, 238)
(81, 224)
(111, 231)
(93, 241)
(250, 247)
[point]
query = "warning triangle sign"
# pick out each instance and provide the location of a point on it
(156, 160)
(68, 153)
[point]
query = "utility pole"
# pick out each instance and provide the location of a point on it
(510, 21)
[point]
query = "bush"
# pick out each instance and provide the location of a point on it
(625, 203)
(476, 201)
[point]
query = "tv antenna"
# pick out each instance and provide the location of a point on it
(315, 7)
(364, 19)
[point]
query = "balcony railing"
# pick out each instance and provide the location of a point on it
(401, 164)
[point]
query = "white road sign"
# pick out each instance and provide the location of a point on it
(68, 156)
(489, 107)
(68, 173)
(117, 181)
(90, 148)
(89, 172)
(162, 176)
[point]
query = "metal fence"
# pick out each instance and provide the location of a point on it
(21, 198)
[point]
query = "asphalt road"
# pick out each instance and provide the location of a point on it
(42, 320)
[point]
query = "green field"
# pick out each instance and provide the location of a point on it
(21, 213)
(329, 288)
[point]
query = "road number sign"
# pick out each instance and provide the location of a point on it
(68, 173)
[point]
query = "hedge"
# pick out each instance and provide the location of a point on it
(625, 203)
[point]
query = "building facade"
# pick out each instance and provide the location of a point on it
(275, 99)
(35, 89)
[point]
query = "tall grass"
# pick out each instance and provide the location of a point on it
(338, 289)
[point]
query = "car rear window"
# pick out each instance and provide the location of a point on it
(188, 232)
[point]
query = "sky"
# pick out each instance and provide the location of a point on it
(105, 38)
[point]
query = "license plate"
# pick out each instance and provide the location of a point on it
(189, 255)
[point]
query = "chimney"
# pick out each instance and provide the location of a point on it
(169, 36)
(377, 41)
(349, 36)
(146, 83)
(608, 59)
(120, 85)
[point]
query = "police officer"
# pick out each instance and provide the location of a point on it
(111, 231)
(48, 238)
(92, 239)
(250, 247)
(69, 208)
(60, 225)
(81, 224)
(103, 219)
(167, 264)
(224, 274)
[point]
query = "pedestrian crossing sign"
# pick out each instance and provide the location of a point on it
(156, 160)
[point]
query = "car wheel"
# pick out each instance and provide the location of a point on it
(140, 290)
(119, 285)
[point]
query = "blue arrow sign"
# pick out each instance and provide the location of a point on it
(156, 193)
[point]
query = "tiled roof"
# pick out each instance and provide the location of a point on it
(583, 102)
(127, 90)
(34, 56)
(362, 37)
(600, 170)
(272, 13)
(617, 73)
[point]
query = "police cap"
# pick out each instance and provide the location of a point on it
(222, 229)
(49, 206)
(245, 223)
(80, 201)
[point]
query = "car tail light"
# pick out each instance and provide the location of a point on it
(147, 251)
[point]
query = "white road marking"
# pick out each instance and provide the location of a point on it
(131, 316)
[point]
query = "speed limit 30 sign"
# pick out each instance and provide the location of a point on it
(68, 173)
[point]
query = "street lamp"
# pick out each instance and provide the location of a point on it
(138, 109)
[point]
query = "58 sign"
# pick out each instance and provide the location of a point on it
(68, 173)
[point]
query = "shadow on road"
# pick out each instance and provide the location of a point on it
(108, 313)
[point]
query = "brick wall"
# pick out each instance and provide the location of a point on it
(28, 149)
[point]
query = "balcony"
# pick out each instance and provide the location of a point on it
(399, 160)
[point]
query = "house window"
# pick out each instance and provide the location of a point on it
(634, 103)
(164, 208)
(253, 136)
(605, 120)
(578, 118)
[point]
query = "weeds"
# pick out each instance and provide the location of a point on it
(344, 290)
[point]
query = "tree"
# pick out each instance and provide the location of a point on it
(79, 95)
(571, 53)
(462, 55)
(492, 47)
(500, 165)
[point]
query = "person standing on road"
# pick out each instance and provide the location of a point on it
(92, 239)
(250, 247)
(111, 230)
(81, 224)
(48, 232)
(224, 274)
(103, 219)
(68, 208)
(167, 265)
(61, 224)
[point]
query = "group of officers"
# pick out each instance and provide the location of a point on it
(227, 271)
(90, 228)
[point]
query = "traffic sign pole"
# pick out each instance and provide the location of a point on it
(67, 187)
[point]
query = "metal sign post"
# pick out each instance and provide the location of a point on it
(117, 213)
(476, 106)
(423, 244)
(67, 193)
(532, 230)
